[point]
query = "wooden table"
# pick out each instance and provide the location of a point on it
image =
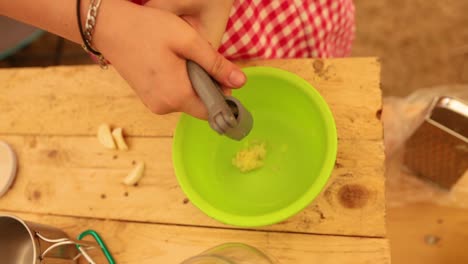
(67, 179)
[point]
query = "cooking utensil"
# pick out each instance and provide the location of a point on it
(8, 164)
(24, 242)
(299, 131)
(226, 114)
(438, 149)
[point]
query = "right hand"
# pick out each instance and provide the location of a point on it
(149, 48)
(208, 17)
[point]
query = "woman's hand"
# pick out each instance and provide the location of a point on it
(149, 48)
(208, 17)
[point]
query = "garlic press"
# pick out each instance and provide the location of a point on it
(226, 114)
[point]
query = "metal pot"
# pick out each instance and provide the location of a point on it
(24, 242)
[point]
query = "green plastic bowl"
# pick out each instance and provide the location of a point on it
(300, 133)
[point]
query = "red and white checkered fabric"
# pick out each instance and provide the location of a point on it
(289, 29)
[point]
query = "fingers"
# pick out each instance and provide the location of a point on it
(200, 51)
(191, 105)
(227, 91)
(208, 17)
(195, 107)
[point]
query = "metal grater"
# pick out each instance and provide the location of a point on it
(438, 149)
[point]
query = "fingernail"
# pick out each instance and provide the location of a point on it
(237, 78)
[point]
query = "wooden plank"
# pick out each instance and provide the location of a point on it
(151, 243)
(424, 233)
(76, 176)
(425, 223)
(75, 100)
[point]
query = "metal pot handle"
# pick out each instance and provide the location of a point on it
(99, 241)
(82, 246)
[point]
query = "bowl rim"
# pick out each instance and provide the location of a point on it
(292, 209)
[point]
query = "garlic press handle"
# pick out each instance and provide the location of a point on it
(225, 114)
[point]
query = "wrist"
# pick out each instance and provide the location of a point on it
(87, 32)
(110, 24)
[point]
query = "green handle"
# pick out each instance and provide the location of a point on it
(101, 243)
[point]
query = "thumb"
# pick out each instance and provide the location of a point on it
(225, 72)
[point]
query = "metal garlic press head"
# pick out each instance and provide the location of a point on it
(226, 115)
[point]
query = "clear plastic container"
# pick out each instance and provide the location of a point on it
(232, 253)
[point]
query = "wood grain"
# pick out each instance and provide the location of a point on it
(76, 176)
(419, 212)
(75, 100)
(50, 117)
(424, 233)
(152, 243)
